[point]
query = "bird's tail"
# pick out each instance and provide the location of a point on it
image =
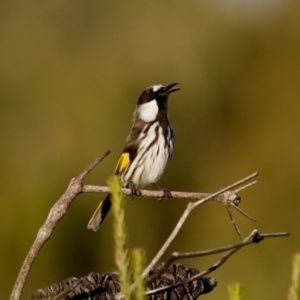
(100, 214)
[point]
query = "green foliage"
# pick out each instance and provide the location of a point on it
(128, 268)
(138, 263)
(294, 292)
(236, 291)
(122, 257)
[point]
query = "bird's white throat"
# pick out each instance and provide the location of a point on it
(148, 111)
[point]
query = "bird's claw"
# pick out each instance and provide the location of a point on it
(167, 195)
(135, 192)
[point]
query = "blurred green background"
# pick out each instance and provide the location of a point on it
(70, 73)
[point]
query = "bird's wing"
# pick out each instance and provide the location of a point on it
(126, 157)
(123, 162)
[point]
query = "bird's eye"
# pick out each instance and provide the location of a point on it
(152, 95)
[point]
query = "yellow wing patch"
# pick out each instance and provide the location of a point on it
(123, 162)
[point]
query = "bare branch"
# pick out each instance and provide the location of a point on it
(254, 237)
(188, 210)
(233, 222)
(234, 204)
(56, 213)
(156, 194)
(97, 286)
(226, 189)
(76, 187)
(246, 185)
(93, 165)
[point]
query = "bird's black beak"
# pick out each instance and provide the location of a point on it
(168, 89)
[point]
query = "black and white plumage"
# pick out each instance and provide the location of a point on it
(148, 147)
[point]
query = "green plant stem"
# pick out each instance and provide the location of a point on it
(122, 256)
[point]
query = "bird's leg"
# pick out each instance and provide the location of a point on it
(167, 193)
(134, 190)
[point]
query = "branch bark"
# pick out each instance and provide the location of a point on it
(190, 207)
(77, 187)
(160, 194)
(57, 212)
(254, 237)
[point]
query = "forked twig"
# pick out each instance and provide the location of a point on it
(77, 187)
(254, 237)
(228, 198)
(234, 204)
(233, 222)
(246, 185)
(56, 213)
(191, 206)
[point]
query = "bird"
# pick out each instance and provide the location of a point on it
(148, 147)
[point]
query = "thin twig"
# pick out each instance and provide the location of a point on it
(234, 204)
(254, 237)
(237, 183)
(228, 202)
(190, 207)
(233, 222)
(93, 165)
(76, 187)
(245, 186)
(56, 213)
(228, 198)
(176, 256)
(243, 213)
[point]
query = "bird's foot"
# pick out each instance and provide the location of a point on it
(167, 193)
(134, 190)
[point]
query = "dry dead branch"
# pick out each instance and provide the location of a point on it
(225, 196)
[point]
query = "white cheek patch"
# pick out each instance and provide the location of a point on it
(148, 111)
(156, 87)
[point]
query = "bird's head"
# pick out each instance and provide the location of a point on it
(153, 100)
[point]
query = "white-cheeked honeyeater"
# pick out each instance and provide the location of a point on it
(148, 147)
